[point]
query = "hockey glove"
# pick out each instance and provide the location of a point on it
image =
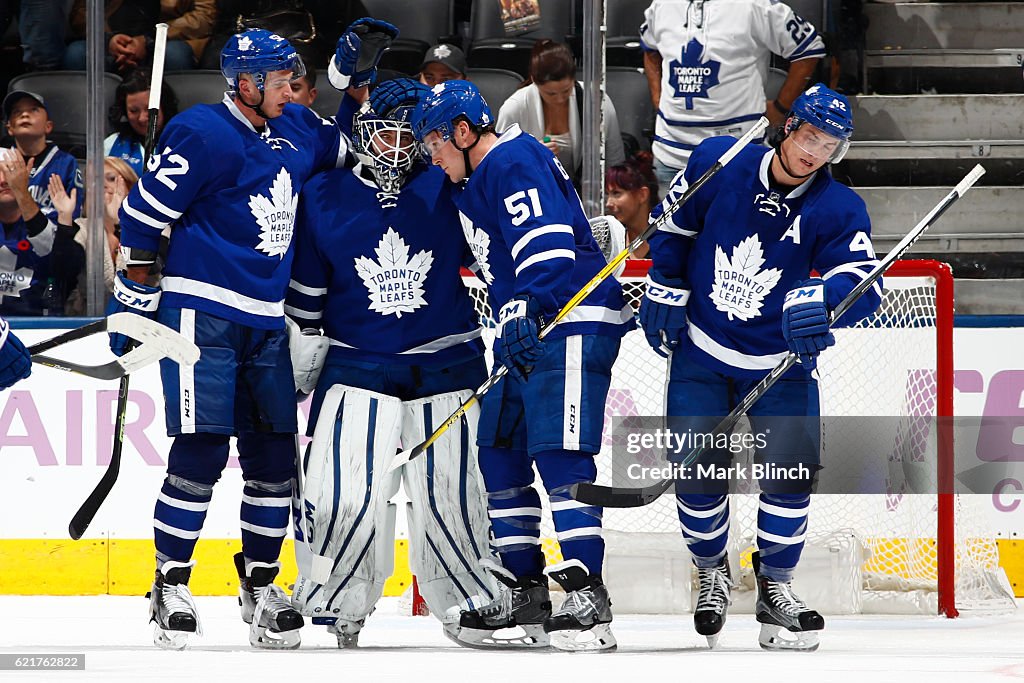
(15, 360)
(130, 297)
(308, 350)
(805, 322)
(663, 312)
(521, 346)
(358, 51)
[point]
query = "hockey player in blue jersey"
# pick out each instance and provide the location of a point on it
(226, 178)
(534, 248)
(15, 360)
(730, 293)
(377, 268)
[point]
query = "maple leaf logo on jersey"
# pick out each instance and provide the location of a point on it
(275, 216)
(394, 281)
(12, 280)
(740, 285)
(691, 76)
(479, 245)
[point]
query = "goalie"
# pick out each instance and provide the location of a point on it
(377, 270)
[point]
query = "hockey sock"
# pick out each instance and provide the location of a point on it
(705, 523)
(577, 525)
(266, 507)
(178, 517)
(513, 506)
(781, 528)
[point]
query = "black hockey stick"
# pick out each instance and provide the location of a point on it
(69, 336)
(615, 497)
(80, 522)
(602, 275)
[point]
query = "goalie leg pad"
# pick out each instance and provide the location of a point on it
(346, 520)
(447, 512)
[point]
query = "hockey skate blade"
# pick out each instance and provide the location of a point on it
(778, 639)
(161, 338)
(597, 638)
(713, 641)
(170, 640)
(265, 639)
(528, 637)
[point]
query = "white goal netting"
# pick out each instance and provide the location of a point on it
(865, 553)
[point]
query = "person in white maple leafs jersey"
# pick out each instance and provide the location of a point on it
(378, 269)
(226, 179)
(730, 294)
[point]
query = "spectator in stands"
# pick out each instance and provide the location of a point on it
(118, 180)
(28, 122)
(129, 33)
(442, 63)
(631, 191)
(548, 106)
(705, 62)
(130, 117)
(191, 21)
(304, 89)
(42, 25)
(39, 264)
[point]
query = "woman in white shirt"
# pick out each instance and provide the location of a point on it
(548, 107)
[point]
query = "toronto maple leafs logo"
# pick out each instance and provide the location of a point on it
(740, 285)
(12, 279)
(442, 52)
(394, 281)
(692, 76)
(479, 245)
(276, 215)
(244, 43)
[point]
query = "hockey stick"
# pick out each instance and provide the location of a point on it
(80, 522)
(614, 497)
(158, 341)
(609, 269)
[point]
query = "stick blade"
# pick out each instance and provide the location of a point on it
(160, 337)
(613, 497)
(403, 457)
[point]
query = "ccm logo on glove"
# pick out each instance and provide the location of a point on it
(804, 295)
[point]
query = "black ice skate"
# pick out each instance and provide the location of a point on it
(581, 623)
(513, 620)
(171, 608)
(273, 622)
(786, 622)
(713, 601)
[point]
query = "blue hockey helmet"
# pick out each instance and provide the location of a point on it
(447, 102)
(382, 136)
(826, 110)
(257, 52)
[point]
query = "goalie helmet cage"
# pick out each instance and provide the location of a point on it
(921, 553)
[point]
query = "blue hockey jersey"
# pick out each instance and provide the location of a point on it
(741, 245)
(230, 193)
(526, 228)
(53, 160)
(380, 273)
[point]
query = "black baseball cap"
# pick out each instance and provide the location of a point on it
(447, 54)
(16, 96)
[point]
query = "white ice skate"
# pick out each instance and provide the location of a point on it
(273, 622)
(171, 608)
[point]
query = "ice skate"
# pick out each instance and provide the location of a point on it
(171, 608)
(786, 622)
(713, 601)
(273, 622)
(347, 632)
(513, 620)
(581, 623)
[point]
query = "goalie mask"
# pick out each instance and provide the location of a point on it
(382, 134)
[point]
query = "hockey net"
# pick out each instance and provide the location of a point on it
(865, 553)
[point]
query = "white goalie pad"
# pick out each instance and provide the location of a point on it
(346, 521)
(447, 508)
(308, 350)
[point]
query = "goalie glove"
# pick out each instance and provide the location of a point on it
(132, 297)
(520, 325)
(308, 350)
(663, 312)
(610, 235)
(358, 51)
(805, 322)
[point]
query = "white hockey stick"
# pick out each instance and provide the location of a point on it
(611, 496)
(159, 341)
(500, 370)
